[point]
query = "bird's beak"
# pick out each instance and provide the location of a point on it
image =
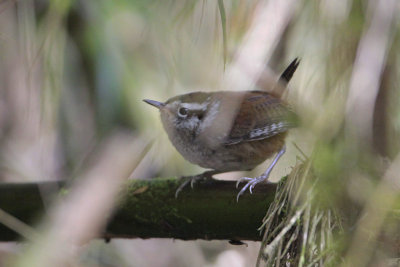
(154, 103)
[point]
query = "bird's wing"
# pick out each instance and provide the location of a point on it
(261, 116)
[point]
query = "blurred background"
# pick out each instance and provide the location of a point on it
(73, 75)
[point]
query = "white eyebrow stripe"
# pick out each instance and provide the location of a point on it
(195, 106)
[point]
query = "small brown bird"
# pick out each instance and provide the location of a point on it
(230, 130)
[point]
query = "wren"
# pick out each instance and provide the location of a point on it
(230, 130)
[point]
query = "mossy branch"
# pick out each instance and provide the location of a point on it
(149, 209)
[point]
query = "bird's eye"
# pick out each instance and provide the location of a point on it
(182, 112)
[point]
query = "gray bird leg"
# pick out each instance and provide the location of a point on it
(251, 182)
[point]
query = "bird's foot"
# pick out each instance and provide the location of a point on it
(251, 183)
(193, 179)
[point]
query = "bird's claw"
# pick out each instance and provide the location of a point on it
(242, 180)
(192, 180)
(179, 189)
(252, 182)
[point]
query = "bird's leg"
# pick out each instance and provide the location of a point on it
(193, 179)
(251, 182)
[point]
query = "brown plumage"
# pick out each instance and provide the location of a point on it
(230, 130)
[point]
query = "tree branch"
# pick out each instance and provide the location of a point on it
(149, 209)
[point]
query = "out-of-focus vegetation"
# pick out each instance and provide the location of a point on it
(73, 75)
